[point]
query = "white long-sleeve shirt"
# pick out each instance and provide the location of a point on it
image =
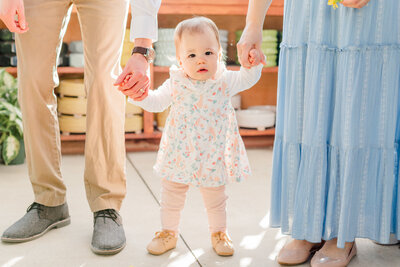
(144, 19)
(237, 81)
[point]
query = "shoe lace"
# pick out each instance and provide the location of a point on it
(163, 234)
(107, 213)
(35, 206)
(222, 236)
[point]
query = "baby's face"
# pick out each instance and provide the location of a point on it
(198, 54)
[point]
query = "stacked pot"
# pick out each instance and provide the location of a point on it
(71, 98)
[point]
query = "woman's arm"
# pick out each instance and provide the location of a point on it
(252, 33)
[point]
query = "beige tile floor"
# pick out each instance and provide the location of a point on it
(248, 211)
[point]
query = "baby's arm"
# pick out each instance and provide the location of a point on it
(157, 100)
(243, 79)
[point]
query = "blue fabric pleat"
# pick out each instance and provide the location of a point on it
(336, 151)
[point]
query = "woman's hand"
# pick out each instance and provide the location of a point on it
(250, 40)
(354, 3)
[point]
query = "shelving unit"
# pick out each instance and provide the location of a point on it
(228, 15)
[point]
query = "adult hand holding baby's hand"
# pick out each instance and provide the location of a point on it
(133, 81)
(250, 41)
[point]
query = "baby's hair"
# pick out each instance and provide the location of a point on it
(195, 25)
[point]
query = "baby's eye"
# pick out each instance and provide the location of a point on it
(191, 55)
(208, 53)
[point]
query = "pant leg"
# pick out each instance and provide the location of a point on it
(37, 52)
(173, 196)
(215, 202)
(103, 26)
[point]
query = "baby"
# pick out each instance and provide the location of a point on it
(200, 145)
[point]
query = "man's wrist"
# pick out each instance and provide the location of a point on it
(147, 52)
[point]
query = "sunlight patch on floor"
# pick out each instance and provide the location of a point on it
(252, 241)
(12, 262)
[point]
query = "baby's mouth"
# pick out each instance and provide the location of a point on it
(202, 70)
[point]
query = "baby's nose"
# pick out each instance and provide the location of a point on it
(201, 60)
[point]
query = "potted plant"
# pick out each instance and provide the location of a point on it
(12, 149)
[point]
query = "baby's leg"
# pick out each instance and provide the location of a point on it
(173, 196)
(215, 202)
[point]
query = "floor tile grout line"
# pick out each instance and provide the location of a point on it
(158, 203)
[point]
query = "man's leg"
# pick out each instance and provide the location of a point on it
(103, 26)
(37, 52)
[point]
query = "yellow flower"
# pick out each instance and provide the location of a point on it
(334, 3)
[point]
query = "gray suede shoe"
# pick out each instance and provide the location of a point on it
(108, 233)
(37, 221)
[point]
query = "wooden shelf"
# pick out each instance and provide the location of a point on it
(249, 132)
(165, 69)
(60, 70)
(212, 7)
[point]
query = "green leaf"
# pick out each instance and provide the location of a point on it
(9, 80)
(11, 108)
(10, 149)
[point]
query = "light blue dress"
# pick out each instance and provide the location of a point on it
(336, 151)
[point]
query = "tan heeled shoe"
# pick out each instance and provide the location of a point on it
(162, 242)
(299, 255)
(221, 243)
(323, 259)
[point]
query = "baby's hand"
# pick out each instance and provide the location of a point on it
(256, 57)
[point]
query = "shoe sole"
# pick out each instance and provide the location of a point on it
(224, 254)
(107, 251)
(158, 253)
(58, 224)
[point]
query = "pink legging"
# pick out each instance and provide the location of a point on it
(173, 196)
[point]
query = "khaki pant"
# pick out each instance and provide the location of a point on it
(173, 196)
(102, 25)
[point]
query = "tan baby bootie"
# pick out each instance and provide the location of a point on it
(162, 242)
(221, 243)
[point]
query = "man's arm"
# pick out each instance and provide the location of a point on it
(144, 32)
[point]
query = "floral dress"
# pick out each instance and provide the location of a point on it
(201, 144)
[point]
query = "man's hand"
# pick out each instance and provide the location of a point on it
(133, 80)
(354, 3)
(12, 13)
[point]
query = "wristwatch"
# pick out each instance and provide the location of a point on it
(147, 52)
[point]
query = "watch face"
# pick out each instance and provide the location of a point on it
(151, 54)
